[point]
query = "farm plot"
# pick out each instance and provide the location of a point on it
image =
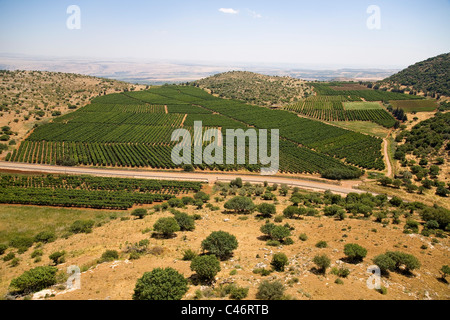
(132, 130)
(415, 105)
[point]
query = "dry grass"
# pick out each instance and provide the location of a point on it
(116, 280)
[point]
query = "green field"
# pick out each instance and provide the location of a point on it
(131, 130)
(415, 105)
(365, 127)
(362, 106)
(30, 220)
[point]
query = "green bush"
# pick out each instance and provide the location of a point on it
(57, 257)
(220, 243)
(82, 226)
(34, 280)
(202, 196)
(279, 233)
(108, 256)
(322, 262)
(139, 213)
(355, 252)
(21, 243)
(279, 261)
(303, 237)
(166, 226)
(9, 256)
(45, 237)
(206, 267)
(384, 262)
(341, 272)
(240, 204)
(270, 290)
(408, 261)
(238, 293)
(161, 284)
(186, 222)
(322, 244)
(266, 210)
(175, 203)
(3, 248)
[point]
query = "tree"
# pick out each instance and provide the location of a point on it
(186, 222)
(384, 262)
(385, 181)
(220, 243)
(139, 213)
(236, 183)
(267, 228)
(270, 290)
(322, 262)
(408, 261)
(442, 191)
(161, 284)
(35, 280)
(166, 226)
(396, 201)
(201, 196)
(279, 261)
(354, 252)
(266, 209)
(206, 266)
(240, 204)
(291, 212)
(280, 233)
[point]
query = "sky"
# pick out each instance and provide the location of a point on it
(315, 33)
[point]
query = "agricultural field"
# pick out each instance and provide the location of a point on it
(329, 89)
(338, 108)
(88, 192)
(133, 129)
(415, 105)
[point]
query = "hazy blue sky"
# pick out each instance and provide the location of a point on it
(319, 32)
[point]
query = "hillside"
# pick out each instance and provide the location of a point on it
(32, 97)
(430, 77)
(255, 88)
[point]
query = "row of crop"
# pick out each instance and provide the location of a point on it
(98, 183)
(117, 200)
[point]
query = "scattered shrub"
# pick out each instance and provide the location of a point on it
(45, 237)
(220, 243)
(161, 284)
(57, 257)
(206, 266)
(139, 213)
(354, 252)
(279, 261)
(34, 280)
(82, 226)
(322, 262)
(166, 226)
(108, 256)
(322, 244)
(270, 290)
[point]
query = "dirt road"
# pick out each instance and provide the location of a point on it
(185, 176)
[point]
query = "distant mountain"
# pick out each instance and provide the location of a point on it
(255, 88)
(431, 77)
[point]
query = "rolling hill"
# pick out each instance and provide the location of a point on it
(431, 77)
(255, 88)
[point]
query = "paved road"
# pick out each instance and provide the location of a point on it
(184, 176)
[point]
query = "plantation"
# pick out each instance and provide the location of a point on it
(415, 105)
(87, 191)
(134, 129)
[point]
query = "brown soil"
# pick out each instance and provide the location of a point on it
(116, 280)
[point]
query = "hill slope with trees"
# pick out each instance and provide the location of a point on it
(431, 77)
(255, 88)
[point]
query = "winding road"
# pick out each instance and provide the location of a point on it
(184, 176)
